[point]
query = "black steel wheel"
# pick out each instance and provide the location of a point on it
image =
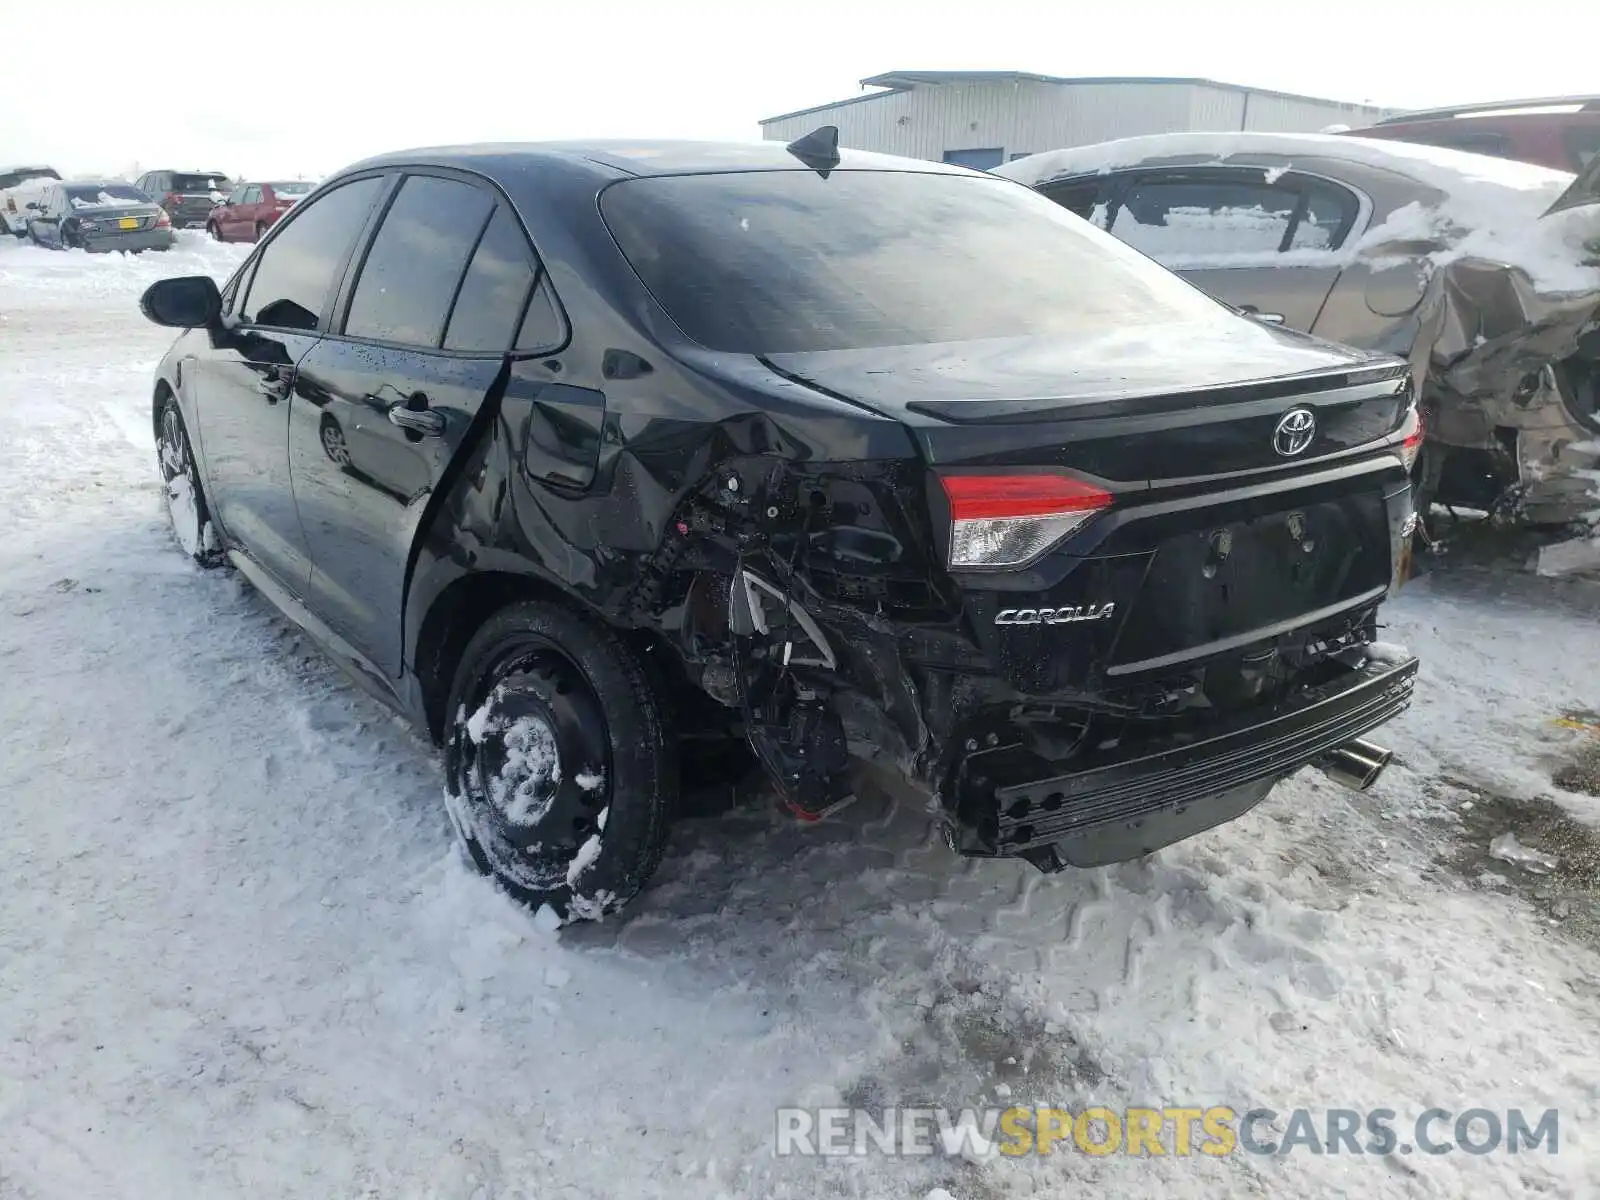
(561, 779)
(180, 483)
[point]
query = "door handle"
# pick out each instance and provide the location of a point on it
(419, 420)
(1250, 310)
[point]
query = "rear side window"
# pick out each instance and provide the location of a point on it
(1186, 216)
(1165, 218)
(771, 262)
(416, 261)
(296, 268)
(495, 289)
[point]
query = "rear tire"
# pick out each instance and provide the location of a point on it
(561, 779)
(187, 510)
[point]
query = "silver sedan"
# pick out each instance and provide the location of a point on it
(1481, 271)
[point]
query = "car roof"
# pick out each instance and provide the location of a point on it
(612, 159)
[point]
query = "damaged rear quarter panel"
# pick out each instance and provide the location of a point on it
(662, 443)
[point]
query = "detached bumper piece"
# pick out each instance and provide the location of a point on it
(1121, 801)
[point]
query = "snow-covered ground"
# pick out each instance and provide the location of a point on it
(240, 957)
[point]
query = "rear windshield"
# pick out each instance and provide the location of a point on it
(118, 194)
(201, 183)
(786, 261)
(292, 189)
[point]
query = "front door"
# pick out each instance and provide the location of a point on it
(383, 406)
(242, 385)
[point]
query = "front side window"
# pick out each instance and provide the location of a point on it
(252, 194)
(417, 260)
(296, 269)
(774, 262)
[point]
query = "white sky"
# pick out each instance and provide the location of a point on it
(290, 87)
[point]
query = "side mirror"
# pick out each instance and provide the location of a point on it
(188, 302)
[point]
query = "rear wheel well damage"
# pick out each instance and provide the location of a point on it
(457, 613)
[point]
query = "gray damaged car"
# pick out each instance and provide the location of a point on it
(1484, 273)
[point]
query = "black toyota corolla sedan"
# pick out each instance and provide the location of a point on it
(582, 455)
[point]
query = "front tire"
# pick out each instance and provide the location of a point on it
(180, 479)
(560, 777)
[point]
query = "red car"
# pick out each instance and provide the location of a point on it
(1561, 133)
(253, 208)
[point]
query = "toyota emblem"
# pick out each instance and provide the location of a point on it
(1296, 428)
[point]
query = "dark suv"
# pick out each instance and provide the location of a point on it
(586, 455)
(187, 196)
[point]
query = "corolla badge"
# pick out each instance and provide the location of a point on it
(1295, 431)
(1055, 616)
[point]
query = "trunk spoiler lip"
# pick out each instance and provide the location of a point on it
(1382, 378)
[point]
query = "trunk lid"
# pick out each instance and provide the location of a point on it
(1122, 408)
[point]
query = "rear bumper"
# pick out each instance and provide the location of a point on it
(143, 239)
(1137, 796)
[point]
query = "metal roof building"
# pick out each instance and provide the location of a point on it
(983, 118)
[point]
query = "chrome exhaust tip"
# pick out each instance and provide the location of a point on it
(1356, 765)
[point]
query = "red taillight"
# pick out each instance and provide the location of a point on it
(1010, 520)
(162, 219)
(1411, 445)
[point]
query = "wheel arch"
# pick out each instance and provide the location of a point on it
(461, 607)
(451, 617)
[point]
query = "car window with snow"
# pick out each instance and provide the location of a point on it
(1203, 217)
(1322, 222)
(492, 294)
(787, 261)
(106, 195)
(416, 261)
(297, 267)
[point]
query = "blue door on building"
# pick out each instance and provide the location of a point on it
(984, 160)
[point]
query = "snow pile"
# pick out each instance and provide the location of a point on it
(1560, 253)
(1452, 172)
(50, 278)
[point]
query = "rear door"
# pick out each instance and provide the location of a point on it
(383, 405)
(1260, 240)
(240, 386)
